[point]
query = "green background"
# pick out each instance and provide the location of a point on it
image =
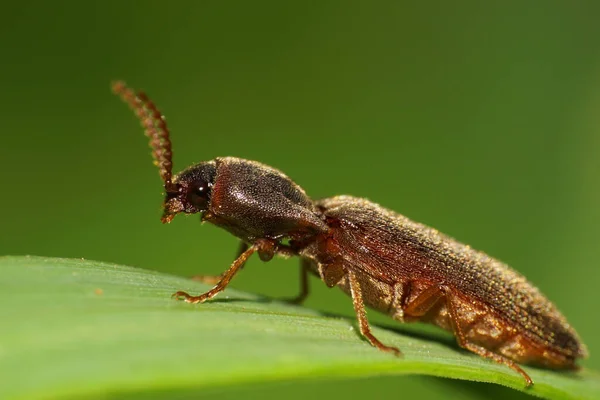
(481, 120)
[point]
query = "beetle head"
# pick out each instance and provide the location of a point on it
(190, 191)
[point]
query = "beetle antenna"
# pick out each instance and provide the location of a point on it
(155, 127)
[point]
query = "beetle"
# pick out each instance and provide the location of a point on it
(382, 259)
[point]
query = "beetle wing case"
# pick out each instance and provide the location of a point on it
(396, 249)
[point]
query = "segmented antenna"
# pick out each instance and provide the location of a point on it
(155, 127)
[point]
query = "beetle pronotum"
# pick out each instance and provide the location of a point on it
(380, 258)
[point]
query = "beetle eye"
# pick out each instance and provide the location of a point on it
(200, 194)
(201, 191)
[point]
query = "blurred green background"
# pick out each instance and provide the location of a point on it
(482, 120)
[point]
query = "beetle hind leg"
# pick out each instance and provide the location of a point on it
(483, 352)
(431, 297)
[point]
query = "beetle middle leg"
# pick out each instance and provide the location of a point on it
(304, 289)
(430, 297)
(214, 279)
(361, 314)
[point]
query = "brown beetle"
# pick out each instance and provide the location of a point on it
(382, 259)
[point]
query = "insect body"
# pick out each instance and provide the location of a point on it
(380, 258)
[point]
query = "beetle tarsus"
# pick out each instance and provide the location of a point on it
(188, 298)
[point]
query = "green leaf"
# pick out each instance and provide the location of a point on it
(83, 328)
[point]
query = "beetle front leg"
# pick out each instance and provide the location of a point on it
(222, 284)
(264, 247)
(214, 279)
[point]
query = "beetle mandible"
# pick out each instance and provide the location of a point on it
(380, 258)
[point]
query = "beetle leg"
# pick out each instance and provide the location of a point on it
(222, 284)
(304, 269)
(361, 314)
(332, 273)
(464, 343)
(214, 279)
(426, 300)
(269, 248)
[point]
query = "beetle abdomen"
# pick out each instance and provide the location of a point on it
(479, 324)
(485, 327)
(393, 249)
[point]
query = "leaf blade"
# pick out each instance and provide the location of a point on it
(77, 327)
